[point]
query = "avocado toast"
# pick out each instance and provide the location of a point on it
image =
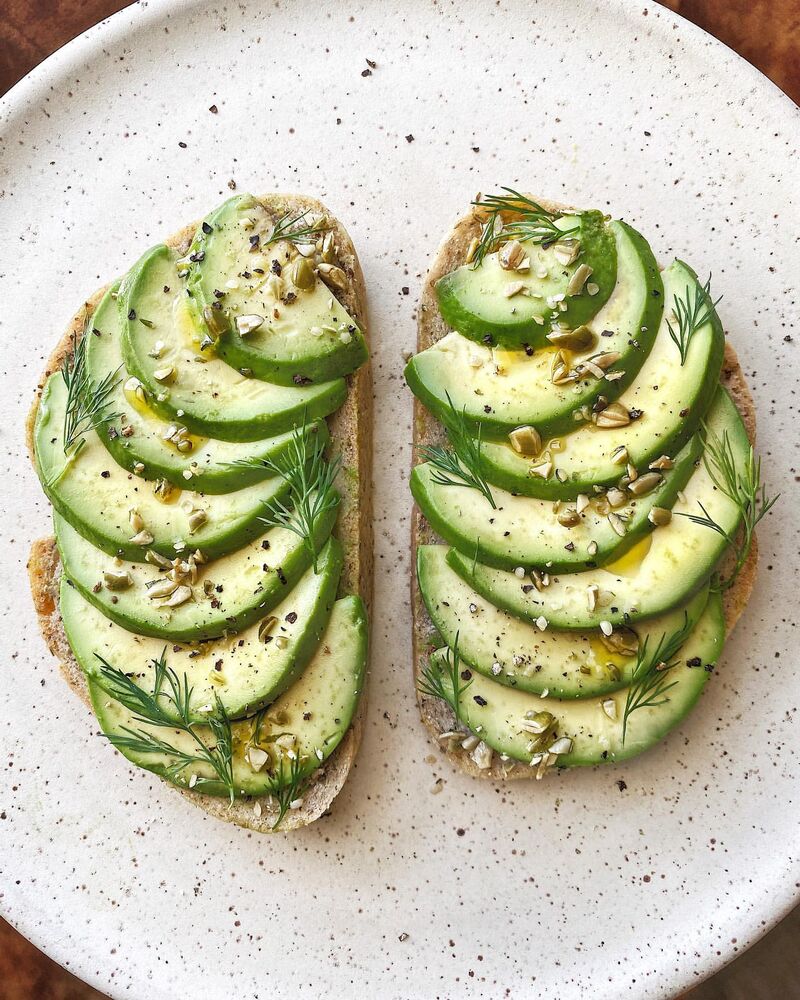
(581, 603)
(237, 676)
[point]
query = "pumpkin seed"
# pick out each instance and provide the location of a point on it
(569, 517)
(511, 255)
(579, 278)
(644, 484)
(526, 441)
(303, 273)
(659, 516)
(117, 579)
(613, 415)
(248, 324)
(579, 339)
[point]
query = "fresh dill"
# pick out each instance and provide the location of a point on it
(285, 791)
(461, 465)
(531, 223)
(744, 488)
(87, 400)
(692, 311)
(650, 678)
(310, 477)
(293, 229)
(147, 710)
(433, 685)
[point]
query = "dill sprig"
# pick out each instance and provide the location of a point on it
(147, 709)
(286, 790)
(292, 230)
(461, 465)
(312, 495)
(744, 488)
(531, 224)
(650, 678)
(691, 312)
(433, 685)
(87, 400)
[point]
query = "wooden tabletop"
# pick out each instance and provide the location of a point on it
(767, 33)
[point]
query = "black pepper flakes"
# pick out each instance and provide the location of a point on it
(479, 700)
(207, 229)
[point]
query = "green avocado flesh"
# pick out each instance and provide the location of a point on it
(523, 531)
(477, 301)
(242, 586)
(187, 382)
(317, 709)
(516, 653)
(141, 441)
(593, 725)
(244, 671)
(676, 558)
(669, 398)
(96, 496)
(305, 335)
(499, 390)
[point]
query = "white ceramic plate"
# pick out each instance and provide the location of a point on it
(567, 888)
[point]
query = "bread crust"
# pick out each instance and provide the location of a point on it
(351, 432)
(435, 714)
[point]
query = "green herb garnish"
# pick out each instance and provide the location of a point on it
(147, 709)
(87, 400)
(293, 230)
(461, 465)
(532, 224)
(433, 685)
(650, 678)
(744, 488)
(691, 312)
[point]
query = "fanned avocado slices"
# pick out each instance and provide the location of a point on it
(496, 304)
(181, 600)
(144, 443)
(655, 416)
(518, 654)
(279, 319)
(125, 515)
(659, 574)
(499, 389)
(245, 671)
(308, 721)
(586, 731)
(167, 347)
(523, 532)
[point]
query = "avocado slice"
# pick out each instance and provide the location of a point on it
(242, 586)
(476, 302)
(305, 335)
(497, 713)
(662, 572)
(317, 709)
(516, 653)
(246, 670)
(142, 442)
(96, 496)
(668, 399)
(185, 381)
(498, 390)
(524, 531)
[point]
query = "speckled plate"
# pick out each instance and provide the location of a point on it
(635, 881)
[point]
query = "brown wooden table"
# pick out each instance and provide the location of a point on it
(767, 33)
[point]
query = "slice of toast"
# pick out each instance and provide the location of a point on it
(436, 715)
(351, 435)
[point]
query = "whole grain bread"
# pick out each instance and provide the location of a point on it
(351, 433)
(436, 715)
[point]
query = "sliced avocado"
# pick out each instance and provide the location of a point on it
(185, 380)
(524, 531)
(478, 302)
(500, 390)
(304, 335)
(317, 709)
(497, 713)
(516, 653)
(227, 595)
(140, 441)
(97, 497)
(246, 670)
(668, 400)
(660, 573)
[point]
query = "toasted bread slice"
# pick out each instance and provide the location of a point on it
(351, 434)
(436, 715)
